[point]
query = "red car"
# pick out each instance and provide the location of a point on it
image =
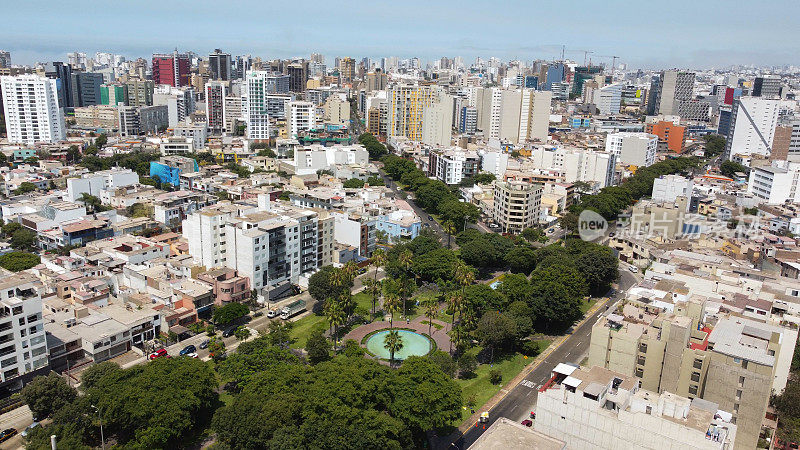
(158, 353)
(527, 422)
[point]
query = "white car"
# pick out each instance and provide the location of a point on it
(633, 269)
(192, 355)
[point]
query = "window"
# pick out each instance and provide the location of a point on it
(698, 364)
(693, 390)
(695, 376)
(741, 381)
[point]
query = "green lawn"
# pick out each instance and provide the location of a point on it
(586, 306)
(480, 387)
(302, 328)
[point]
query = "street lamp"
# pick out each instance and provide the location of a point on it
(102, 438)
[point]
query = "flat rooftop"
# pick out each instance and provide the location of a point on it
(506, 434)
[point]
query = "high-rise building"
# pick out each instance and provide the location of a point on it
(240, 67)
(513, 115)
(376, 81)
(776, 183)
(453, 165)
(216, 92)
(406, 107)
(301, 116)
(113, 94)
(575, 164)
(318, 58)
(769, 87)
(374, 121)
(608, 99)
(5, 59)
(517, 205)
(140, 92)
(32, 110)
(555, 74)
(347, 70)
(172, 69)
(752, 126)
(437, 122)
(255, 105)
(298, 76)
(671, 136)
(180, 102)
(669, 89)
(86, 88)
(582, 74)
(468, 122)
(62, 73)
(219, 65)
(277, 83)
(637, 149)
(24, 342)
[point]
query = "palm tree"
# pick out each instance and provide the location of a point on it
(405, 259)
(378, 260)
(394, 343)
(463, 275)
(336, 316)
(374, 288)
(431, 310)
(450, 229)
(455, 301)
(391, 303)
(350, 270)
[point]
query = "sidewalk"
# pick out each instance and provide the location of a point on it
(492, 402)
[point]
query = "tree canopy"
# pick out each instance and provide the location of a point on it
(226, 314)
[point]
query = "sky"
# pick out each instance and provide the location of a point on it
(644, 34)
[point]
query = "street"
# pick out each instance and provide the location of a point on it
(424, 216)
(521, 399)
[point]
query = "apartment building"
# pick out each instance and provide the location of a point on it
(216, 94)
(637, 149)
(752, 126)
(734, 364)
(671, 136)
(140, 92)
(301, 117)
(667, 188)
(776, 183)
(226, 285)
(604, 409)
(668, 89)
(406, 109)
(32, 110)
(453, 165)
(517, 205)
(355, 230)
(97, 182)
(255, 108)
(573, 164)
(23, 346)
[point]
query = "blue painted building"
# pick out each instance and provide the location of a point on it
(399, 224)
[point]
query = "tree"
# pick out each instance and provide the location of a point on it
(318, 347)
(23, 239)
(336, 315)
(423, 396)
(226, 314)
(729, 168)
(10, 228)
(431, 305)
(216, 348)
(598, 266)
(140, 210)
(392, 304)
(467, 363)
(242, 333)
(521, 260)
(93, 203)
(101, 141)
(17, 261)
(715, 144)
(557, 292)
(569, 222)
(378, 260)
(394, 343)
(353, 183)
(375, 181)
(444, 361)
(73, 154)
(94, 373)
(496, 330)
(280, 334)
(484, 178)
(24, 188)
(320, 285)
(45, 395)
(434, 265)
(495, 376)
(534, 235)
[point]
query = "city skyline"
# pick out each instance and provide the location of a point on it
(714, 35)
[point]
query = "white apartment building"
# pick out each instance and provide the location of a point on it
(97, 182)
(23, 346)
(513, 115)
(205, 231)
(596, 168)
(638, 149)
(517, 205)
(494, 162)
(752, 126)
(197, 132)
(301, 116)
(179, 102)
(309, 160)
(255, 107)
(775, 184)
(437, 122)
(602, 409)
(608, 99)
(32, 112)
(453, 165)
(667, 188)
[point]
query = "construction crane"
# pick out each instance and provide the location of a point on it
(613, 63)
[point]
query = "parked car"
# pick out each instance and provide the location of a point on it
(430, 218)
(527, 422)
(229, 332)
(192, 355)
(188, 349)
(633, 269)
(273, 313)
(7, 434)
(29, 428)
(205, 343)
(158, 353)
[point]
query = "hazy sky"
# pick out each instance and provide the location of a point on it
(645, 33)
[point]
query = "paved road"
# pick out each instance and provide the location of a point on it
(426, 222)
(521, 400)
(18, 419)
